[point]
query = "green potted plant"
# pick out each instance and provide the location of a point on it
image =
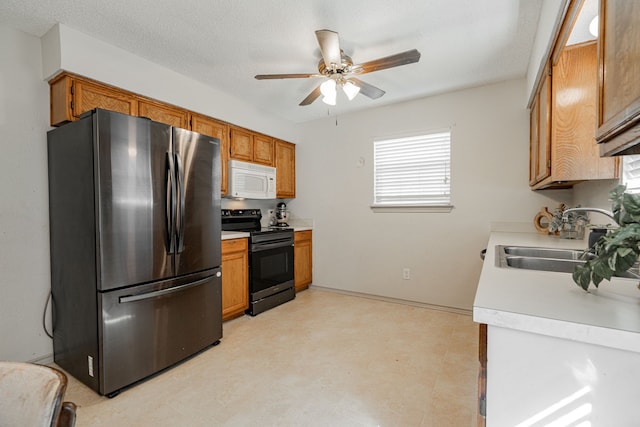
(618, 250)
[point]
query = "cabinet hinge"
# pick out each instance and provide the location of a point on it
(549, 164)
(72, 89)
(71, 104)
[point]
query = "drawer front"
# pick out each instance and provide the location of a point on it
(300, 236)
(234, 245)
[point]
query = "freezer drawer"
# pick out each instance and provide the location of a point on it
(147, 328)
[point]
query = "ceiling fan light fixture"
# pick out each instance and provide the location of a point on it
(328, 90)
(329, 100)
(350, 90)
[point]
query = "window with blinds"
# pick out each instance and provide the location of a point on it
(413, 172)
(631, 173)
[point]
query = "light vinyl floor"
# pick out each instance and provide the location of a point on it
(323, 359)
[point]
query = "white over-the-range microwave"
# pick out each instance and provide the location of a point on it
(251, 181)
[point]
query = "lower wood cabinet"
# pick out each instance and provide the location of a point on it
(482, 376)
(302, 256)
(235, 278)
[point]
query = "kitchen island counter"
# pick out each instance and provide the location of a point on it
(550, 303)
(553, 352)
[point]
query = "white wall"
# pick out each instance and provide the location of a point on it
(24, 209)
(357, 250)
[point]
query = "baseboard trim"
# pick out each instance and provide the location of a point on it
(47, 359)
(394, 300)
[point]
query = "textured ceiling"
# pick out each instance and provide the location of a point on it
(224, 43)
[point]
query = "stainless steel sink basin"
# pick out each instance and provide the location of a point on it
(545, 252)
(548, 259)
(543, 264)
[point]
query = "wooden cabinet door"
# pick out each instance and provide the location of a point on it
(163, 113)
(220, 130)
(285, 170)
(619, 88)
(263, 150)
(235, 278)
(241, 145)
(482, 375)
(543, 155)
(302, 260)
(534, 140)
(88, 95)
(60, 100)
(575, 154)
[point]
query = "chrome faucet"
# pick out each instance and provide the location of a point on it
(600, 211)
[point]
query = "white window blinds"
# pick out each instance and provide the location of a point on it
(413, 171)
(631, 173)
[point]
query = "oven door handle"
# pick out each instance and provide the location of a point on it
(266, 246)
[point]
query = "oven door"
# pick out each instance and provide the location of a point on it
(271, 269)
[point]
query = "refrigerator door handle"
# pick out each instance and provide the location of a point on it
(162, 292)
(180, 214)
(171, 203)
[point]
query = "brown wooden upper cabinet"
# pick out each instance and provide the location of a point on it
(619, 82)
(563, 148)
(208, 126)
(540, 142)
(251, 147)
(163, 113)
(72, 96)
(285, 170)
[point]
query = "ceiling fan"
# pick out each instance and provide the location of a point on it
(338, 69)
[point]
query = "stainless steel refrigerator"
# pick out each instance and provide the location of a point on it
(134, 209)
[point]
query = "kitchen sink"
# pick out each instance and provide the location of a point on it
(525, 251)
(543, 264)
(549, 259)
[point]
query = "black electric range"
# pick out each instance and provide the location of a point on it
(271, 264)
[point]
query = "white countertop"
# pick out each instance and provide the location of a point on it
(551, 303)
(225, 235)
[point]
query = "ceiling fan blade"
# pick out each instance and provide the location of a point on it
(285, 76)
(329, 46)
(404, 58)
(311, 97)
(366, 89)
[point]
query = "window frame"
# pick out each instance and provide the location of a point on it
(624, 165)
(414, 207)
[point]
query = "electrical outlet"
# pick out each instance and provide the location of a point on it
(406, 273)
